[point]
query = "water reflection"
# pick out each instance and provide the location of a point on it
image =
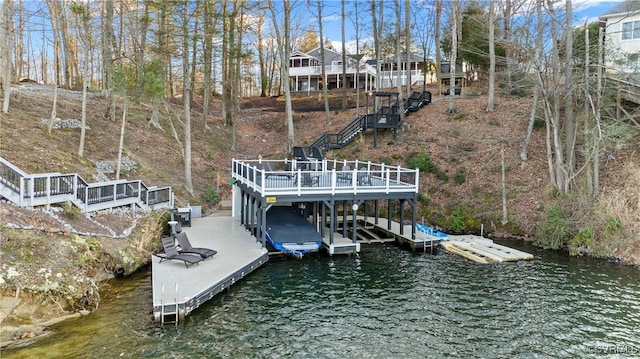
(385, 303)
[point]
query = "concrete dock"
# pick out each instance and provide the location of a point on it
(178, 290)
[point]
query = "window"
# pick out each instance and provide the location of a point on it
(631, 30)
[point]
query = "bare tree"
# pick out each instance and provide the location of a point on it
(399, 60)
(344, 57)
(83, 17)
(325, 91)
(455, 25)
(423, 23)
(407, 51)
(492, 58)
(108, 38)
(284, 46)
(6, 30)
(437, 43)
(186, 96)
(569, 125)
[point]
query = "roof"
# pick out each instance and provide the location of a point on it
(625, 7)
(329, 55)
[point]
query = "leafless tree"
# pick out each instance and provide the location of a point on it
(284, 46)
(492, 58)
(6, 30)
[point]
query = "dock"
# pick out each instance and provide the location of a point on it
(178, 290)
(421, 242)
(482, 250)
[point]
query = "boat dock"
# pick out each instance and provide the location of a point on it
(482, 250)
(178, 290)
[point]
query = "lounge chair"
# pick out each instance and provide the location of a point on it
(186, 247)
(344, 174)
(171, 253)
(308, 180)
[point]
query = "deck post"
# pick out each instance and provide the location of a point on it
(402, 217)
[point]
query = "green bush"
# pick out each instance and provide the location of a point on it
(583, 238)
(458, 219)
(211, 197)
(553, 231)
(421, 161)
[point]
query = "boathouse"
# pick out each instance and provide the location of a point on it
(335, 196)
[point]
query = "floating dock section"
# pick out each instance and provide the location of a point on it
(482, 250)
(178, 290)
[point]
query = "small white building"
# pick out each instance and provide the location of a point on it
(622, 37)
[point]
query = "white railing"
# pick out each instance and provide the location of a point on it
(290, 177)
(45, 189)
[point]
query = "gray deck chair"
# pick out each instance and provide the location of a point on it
(308, 180)
(345, 174)
(171, 253)
(186, 247)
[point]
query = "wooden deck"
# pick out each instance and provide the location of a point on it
(483, 250)
(178, 290)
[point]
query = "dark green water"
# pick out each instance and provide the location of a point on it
(388, 303)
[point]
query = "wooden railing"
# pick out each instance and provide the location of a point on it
(46, 189)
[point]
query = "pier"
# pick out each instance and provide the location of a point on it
(178, 290)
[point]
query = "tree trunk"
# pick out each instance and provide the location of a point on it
(532, 118)
(84, 15)
(344, 58)
(122, 128)
(492, 58)
(325, 92)
(19, 41)
(261, 57)
(399, 61)
(437, 44)
(186, 97)
(108, 59)
(407, 51)
(284, 46)
(454, 52)
(507, 40)
(209, 30)
(7, 45)
(505, 217)
(569, 125)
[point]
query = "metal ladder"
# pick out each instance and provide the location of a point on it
(174, 315)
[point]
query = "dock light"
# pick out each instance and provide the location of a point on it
(355, 207)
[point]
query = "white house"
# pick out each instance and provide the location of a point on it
(622, 36)
(305, 71)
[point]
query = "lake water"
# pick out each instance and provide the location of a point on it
(386, 303)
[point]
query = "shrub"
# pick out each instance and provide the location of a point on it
(553, 230)
(211, 197)
(459, 177)
(458, 219)
(421, 161)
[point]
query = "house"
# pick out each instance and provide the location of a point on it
(622, 37)
(305, 71)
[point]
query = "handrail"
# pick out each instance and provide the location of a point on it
(51, 188)
(328, 178)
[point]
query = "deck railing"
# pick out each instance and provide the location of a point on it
(53, 188)
(288, 177)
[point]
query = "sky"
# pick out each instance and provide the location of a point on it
(583, 11)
